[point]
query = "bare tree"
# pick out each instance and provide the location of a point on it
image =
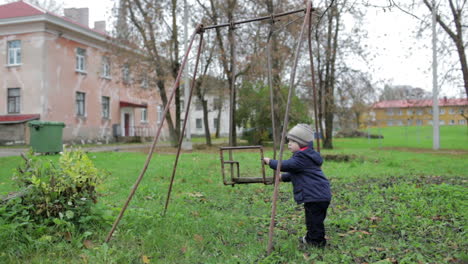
(142, 23)
(452, 22)
(355, 95)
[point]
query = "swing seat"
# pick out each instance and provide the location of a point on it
(247, 180)
(233, 168)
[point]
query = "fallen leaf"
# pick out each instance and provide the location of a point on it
(67, 236)
(145, 259)
(84, 258)
(183, 250)
(198, 238)
(88, 244)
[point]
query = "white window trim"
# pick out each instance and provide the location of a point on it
(15, 51)
(84, 105)
(108, 110)
(144, 120)
(106, 68)
(80, 60)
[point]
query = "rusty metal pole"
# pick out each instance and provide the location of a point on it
(270, 82)
(153, 145)
(285, 127)
(187, 109)
(314, 87)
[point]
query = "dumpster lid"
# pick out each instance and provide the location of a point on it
(13, 119)
(45, 123)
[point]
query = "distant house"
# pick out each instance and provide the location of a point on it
(218, 111)
(416, 113)
(57, 68)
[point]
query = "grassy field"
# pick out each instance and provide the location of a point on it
(389, 206)
(451, 137)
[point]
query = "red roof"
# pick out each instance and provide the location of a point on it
(420, 103)
(24, 9)
(18, 9)
(12, 119)
(128, 104)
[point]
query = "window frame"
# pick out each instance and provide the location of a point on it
(126, 73)
(14, 53)
(159, 111)
(144, 115)
(105, 103)
(80, 104)
(106, 67)
(14, 100)
(199, 123)
(80, 60)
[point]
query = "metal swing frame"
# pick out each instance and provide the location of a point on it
(200, 29)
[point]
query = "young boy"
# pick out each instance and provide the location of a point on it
(310, 186)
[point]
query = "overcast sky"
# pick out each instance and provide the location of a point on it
(398, 58)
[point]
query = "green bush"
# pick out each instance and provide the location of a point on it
(56, 197)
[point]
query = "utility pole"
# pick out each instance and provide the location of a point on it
(435, 90)
(187, 143)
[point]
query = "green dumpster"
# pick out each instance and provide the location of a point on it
(45, 136)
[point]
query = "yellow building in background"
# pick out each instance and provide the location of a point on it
(415, 113)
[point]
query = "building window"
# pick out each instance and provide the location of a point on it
(106, 67)
(14, 52)
(429, 111)
(198, 105)
(80, 60)
(126, 73)
(461, 122)
(410, 122)
(144, 81)
(442, 122)
(419, 112)
(419, 122)
(215, 122)
(199, 124)
(442, 111)
(144, 115)
(452, 111)
(160, 113)
(14, 100)
(429, 122)
(400, 122)
(409, 112)
(390, 123)
(182, 104)
(389, 112)
(105, 107)
(400, 112)
(452, 122)
(216, 103)
(80, 103)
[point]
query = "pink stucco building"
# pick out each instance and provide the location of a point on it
(59, 69)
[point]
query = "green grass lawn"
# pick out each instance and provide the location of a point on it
(388, 206)
(451, 137)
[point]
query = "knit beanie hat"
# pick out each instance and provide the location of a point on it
(302, 134)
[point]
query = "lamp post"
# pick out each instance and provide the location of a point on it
(435, 91)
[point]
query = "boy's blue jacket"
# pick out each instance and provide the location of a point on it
(303, 170)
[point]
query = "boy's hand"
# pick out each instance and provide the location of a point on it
(266, 161)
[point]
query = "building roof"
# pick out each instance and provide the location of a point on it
(13, 119)
(19, 9)
(420, 103)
